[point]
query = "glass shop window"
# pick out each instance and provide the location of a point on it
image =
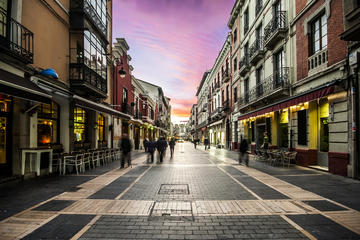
(101, 128)
(48, 116)
(80, 125)
(324, 125)
(283, 129)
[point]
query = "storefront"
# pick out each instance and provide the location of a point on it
(5, 129)
(313, 123)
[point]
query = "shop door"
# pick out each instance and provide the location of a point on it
(5, 167)
(323, 136)
(260, 129)
(137, 137)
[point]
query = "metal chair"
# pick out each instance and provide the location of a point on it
(86, 160)
(73, 160)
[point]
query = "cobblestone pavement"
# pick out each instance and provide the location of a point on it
(196, 195)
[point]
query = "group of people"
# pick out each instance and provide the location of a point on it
(160, 145)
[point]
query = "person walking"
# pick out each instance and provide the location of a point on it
(161, 146)
(243, 152)
(125, 148)
(150, 149)
(206, 143)
(172, 147)
(195, 142)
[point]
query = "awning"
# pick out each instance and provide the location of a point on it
(301, 98)
(14, 85)
(84, 103)
(216, 123)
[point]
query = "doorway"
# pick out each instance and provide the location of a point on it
(260, 130)
(323, 136)
(5, 156)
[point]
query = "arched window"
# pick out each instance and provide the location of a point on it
(80, 126)
(48, 124)
(101, 128)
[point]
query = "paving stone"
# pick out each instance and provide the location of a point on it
(54, 205)
(226, 231)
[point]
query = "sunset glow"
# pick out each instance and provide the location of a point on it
(172, 43)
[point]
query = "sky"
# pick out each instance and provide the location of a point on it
(172, 43)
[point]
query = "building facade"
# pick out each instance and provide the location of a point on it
(295, 80)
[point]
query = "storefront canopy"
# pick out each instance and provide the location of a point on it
(84, 103)
(300, 98)
(14, 85)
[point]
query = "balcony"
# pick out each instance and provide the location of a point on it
(275, 30)
(217, 87)
(86, 81)
(204, 108)
(256, 51)
(127, 109)
(79, 8)
(225, 76)
(318, 61)
(216, 114)
(271, 86)
(226, 106)
(137, 115)
(244, 66)
(16, 40)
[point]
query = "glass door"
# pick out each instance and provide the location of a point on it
(323, 133)
(3, 140)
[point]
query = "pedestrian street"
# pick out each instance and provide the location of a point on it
(197, 194)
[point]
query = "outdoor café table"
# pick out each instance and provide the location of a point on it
(38, 152)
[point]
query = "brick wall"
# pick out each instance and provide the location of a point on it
(120, 83)
(336, 47)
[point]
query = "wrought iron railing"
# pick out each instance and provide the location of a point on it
(277, 23)
(81, 73)
(256, 47)
(244, 62)
(225, 76)
(279, 80)
(15, 38)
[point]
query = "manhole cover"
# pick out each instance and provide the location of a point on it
(174, 189)
(171, 211)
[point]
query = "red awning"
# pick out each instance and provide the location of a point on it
(307, 97)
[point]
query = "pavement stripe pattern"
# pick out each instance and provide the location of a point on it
(290, 204)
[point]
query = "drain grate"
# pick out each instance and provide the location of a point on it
(171, 189)
(171, 211)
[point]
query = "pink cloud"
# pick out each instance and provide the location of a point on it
(184, 36)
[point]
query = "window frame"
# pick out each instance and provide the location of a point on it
(317, 22)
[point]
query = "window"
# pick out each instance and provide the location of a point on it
(235, 62)
(246, 89)
(246, 21)
(246, 51)
(99, 6)
(222, 96)
(302, 127)
(47, 128)
(125, 95)
(258, 6)
(258, 35)
(235, 94)
(318, 34)
(227, 92)
(94, 54)
(279, 64)
(259, 81)
(101, 128)
(235, 35)
(4, 11)
(80, 125)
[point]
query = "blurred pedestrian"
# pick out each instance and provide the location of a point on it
(172, 147)
(161, 146)
(266, 141)
(145, 144)
(206, 143)
(150, 149)
(243, 152)
(195, 142)
(125, 148)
